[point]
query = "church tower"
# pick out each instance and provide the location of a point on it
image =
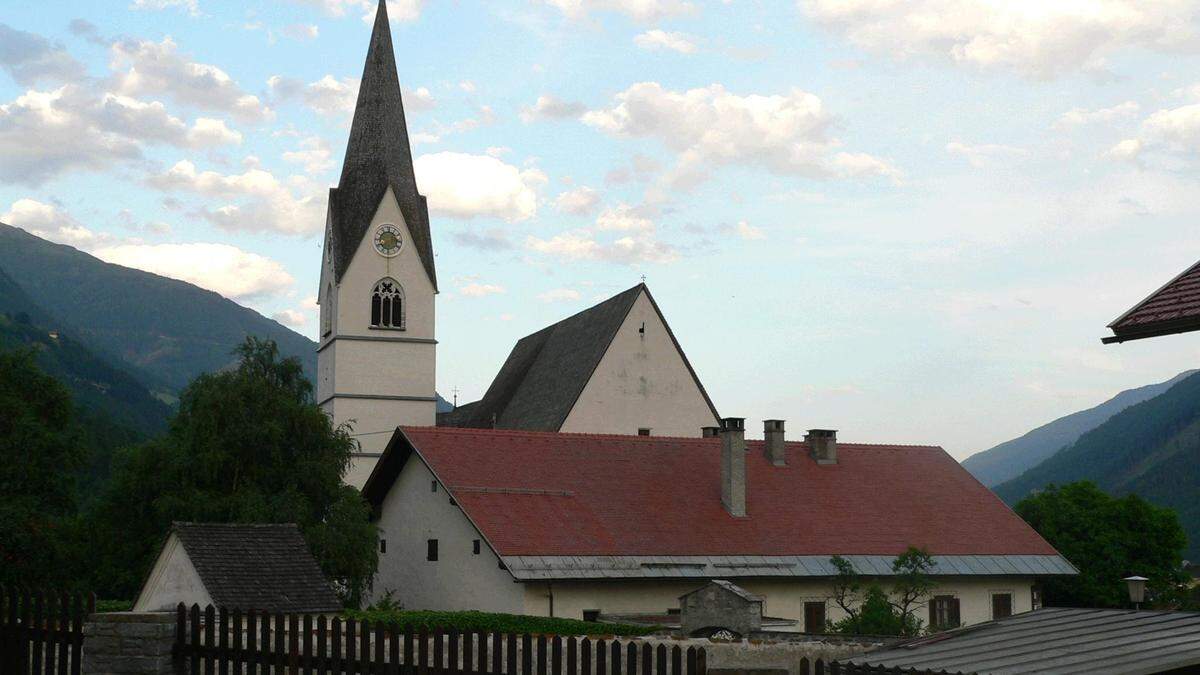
(377, 351)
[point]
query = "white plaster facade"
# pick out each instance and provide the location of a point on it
(172, 580)
(377, 378)
(414, 513)
(642, 381)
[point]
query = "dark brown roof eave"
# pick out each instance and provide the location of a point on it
(1185, 325)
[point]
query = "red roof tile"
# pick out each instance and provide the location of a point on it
(1174, 308)
(539, 493)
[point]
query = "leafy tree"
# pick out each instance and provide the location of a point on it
(40, 450)
(1107, 538)
(871, 610)
(247, 445)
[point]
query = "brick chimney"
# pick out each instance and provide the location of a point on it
(822, 444)
(773, 433)
(710, 432)
(733, 465)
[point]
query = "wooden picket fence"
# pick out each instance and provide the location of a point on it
(220, 641)
(41, 633)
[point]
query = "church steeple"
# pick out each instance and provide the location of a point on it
(378, 155)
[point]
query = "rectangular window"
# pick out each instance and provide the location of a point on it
(591, 615)
(431, 550)
(433, 486)
(644, 431)
(1035, 597)
(475, 547)
(1001, 605)
(383, 545)
(944, 612)
(814, 617)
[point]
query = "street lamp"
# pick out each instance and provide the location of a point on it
(1137, 590)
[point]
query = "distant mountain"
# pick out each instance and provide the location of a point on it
(166, 331)
(1012, 458)
(1151, 449)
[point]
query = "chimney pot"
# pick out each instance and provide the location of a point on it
(709, 432)
(733, 465)
(774, 445)
(823, 445)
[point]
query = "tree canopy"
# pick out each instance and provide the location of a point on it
(40, 450)
(247, 445)
(872, 610)
(1107, 538)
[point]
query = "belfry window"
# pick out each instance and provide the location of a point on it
(387, 305)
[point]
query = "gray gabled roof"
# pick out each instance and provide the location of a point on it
(1053, 640)
(728, 586)
(265, 567)
(546, 371)
(378, 155)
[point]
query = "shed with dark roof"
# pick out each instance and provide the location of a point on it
(1174, 308)
(264, 567)
(1052, 640)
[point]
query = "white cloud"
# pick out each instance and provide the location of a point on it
(1177, 127)
(30, 58)
(419, 99)
(157, 68)
(1035, 38)
(225, 269)
(251, 201)
(642, 10)
(579, 201)
(478, 290)
(314, 153)
(327, 96)
(49, 222)
(559, 295)
(549, 107)
(466, 186)
(1127, 149)
(192, 7)
(660, 39)
(302, 31)
(43, 134)
(291, 318)
(985, 154)
(582, 245)
(749, 232)
(1081, 116)
(398, 10)
(783, 133)
(625, 218)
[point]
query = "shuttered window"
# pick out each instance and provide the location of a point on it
(944, 612)
(814, 617)
(1001, 605)
(431, 550)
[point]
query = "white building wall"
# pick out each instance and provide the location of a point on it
(641, 382)
(172, 580)
(411, 514)
(378, 365)
(783, 598)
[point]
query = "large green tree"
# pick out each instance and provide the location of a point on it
(40, 451)
(872, 610)
(247, 445)
(1107, 538)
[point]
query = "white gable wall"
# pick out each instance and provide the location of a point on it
(642, 381)
(411, 514)
(172, 580)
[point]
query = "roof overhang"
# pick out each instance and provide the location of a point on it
(1157, 329)
(551, 568)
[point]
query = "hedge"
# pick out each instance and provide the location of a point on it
(497, 623)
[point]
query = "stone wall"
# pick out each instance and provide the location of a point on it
(128, 644)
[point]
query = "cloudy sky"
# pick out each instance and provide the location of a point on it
(906, 219)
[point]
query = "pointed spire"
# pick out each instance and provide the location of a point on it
(378, 155)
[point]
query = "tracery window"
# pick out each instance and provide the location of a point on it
(387, 305)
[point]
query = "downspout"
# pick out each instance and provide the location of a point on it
(550, 594)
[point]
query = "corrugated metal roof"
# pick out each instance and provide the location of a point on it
(529, 568)
(1054, 640)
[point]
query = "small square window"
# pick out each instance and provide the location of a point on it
(431, 550)
(383, 545)
(644, 431)
(475, 547)
(591, 615)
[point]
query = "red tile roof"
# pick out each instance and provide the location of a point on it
(540, 493)
(1174, 308)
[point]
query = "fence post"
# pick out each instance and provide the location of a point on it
(702, 662)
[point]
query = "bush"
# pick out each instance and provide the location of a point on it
(499, 623)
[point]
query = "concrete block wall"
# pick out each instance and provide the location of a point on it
(128, 643)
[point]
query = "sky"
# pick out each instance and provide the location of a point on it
(909, 220)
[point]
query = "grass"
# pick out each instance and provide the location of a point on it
(500, 623)
(114, 605)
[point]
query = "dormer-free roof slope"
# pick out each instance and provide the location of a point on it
(543, 497)
(547, 371)
(378, 156)
(1174, 308)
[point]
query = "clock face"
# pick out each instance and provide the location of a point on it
(387, 240)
